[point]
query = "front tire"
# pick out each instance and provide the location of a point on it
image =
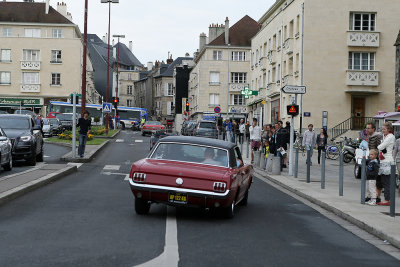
(357, 171)
(39, 157)
(347, 158)
(243, 202)
(142, 206)
(9, 165)
(32, 159)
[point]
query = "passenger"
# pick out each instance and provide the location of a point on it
(209, 157)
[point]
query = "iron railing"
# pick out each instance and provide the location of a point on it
(353, 123)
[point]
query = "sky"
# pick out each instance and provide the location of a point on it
(157, 27)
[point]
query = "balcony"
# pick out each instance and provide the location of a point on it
(30, 88)
(366, 39)
(30, 65)
(271, 57)
(362, 77)
(288, 46)
(236, 87)
(287, 80)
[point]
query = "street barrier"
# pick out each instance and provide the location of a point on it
(268, 167)
(392, 189)
(262, 160)
(257, 156)
(363, 179)
(296, 166)
(276, 165)
(341, 174)
(308, 164)
(323, 170)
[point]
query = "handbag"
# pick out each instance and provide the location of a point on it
(381, 157)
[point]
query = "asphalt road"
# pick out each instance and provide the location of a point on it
(88, 219)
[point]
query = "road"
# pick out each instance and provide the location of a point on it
(88, 219)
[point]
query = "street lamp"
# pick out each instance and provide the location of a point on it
(116, 88)
(84, 61)
(108, 55)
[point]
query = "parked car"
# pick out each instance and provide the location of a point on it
(25, 136)
(53, 114)
(25, 112)
(3, 112)
(185, 124)
(151, 127)
(65, 120)
(207, 129)
(57, 128)
(47, 128)
(5, 151)
(189, 130)
(191, 172)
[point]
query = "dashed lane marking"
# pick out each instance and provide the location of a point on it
(119, 141)
(112, 167)
(138, 141)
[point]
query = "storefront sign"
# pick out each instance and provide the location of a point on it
(5, 101)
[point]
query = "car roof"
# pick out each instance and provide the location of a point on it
(198, 141)
(16, 115)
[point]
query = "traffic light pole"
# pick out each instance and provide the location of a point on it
(291, 146)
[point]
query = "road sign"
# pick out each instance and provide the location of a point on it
(106, 107)
(294, 89)
(307, 114)
(217, 109)
(293, 110)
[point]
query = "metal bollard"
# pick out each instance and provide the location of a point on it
(296, 166)
(276, 165)
(392, 189)
(308, 164)
(363, 179)
(241, 147)
(262, 160)
(247, 150)
(269, 163)
(341, 174)
(257, 157)
(323, 170)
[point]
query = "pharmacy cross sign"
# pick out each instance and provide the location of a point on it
(246, 92)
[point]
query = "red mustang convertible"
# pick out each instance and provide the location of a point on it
(152, 127)
(193, 172)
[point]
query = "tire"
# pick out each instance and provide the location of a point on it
(123, 126)
(9, 165)
(357, 171)
(229, 212)
(243, 202)
(142, 133)
(32, 160)
(142, 206)
(39, 157)
(347, 157)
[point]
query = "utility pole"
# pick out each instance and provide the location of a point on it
(83, 107)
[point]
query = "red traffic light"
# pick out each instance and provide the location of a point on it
(398, 108)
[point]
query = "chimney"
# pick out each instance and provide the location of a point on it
(104, 39)
(47, 6)
(130, 46)
(202, 40)
(226, 31)
(215, 30)
(62, 8)
(170, 60)
(149, 65)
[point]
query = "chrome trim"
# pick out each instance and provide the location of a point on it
(176, 189)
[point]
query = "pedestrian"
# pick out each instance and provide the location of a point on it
(266, 148)
(242, 130)
(396, 155)
(271, 140)
(247, 126)
(118, 120)
(255, 137)
(84, 125)
(322, 141)
(372, 174)
(386, 157)
(235, 130)
(280, 143)
(374, 138)
(229, 128)
(309, 140)
(287, 136)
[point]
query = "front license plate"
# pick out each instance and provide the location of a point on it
(177, 198)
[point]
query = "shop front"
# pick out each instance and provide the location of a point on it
(10, 104)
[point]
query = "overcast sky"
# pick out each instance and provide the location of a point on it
(157, 27)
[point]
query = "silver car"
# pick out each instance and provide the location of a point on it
(47, 128)
(5, 151)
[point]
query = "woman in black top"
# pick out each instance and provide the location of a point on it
(322, 140)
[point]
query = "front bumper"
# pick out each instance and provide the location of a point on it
(22, 152)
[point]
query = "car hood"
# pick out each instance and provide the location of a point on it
(14, 133)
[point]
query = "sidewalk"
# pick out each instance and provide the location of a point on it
(373, 219)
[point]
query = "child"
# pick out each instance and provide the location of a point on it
(372, 174)
(266, 147)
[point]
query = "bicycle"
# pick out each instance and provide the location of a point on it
(333, 151)
(298, 144)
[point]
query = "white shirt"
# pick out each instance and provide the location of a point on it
(255, 133)
(242, 128)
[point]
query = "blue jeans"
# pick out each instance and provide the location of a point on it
(308, 147)
(82, 143)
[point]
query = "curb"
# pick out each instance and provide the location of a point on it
(334, 210)
(109, 137)
(32, 185)
(68, 158)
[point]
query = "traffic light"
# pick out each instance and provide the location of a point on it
(76, 99)
(292, 110)
(187, 105)
(398, 108)
(115, 101)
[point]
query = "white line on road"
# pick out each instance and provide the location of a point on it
(119, 141)
(126, 177)
(114, 173)
(170, 256)
(112, 167)
(138, 141)
(46, 156)
(78, 165)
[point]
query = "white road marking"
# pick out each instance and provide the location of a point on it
(78, 165)
(112, 167)
(126, 177)
(170, 256)
(131, 144)
(114, 173)
(138, 141)
(46, 156)
(119, 141)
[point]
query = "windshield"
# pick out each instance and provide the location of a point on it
(209, 125)
(129, 115)
(153, 123)
(65, 117)
(53, 121)
(14, 123)
(45, 122)
(191, 153)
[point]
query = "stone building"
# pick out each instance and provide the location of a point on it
(397, 70)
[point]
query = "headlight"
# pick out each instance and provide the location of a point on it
(26, 138)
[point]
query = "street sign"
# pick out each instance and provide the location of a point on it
(106, 107)
(294, 89)
(217, 109)
(246, 92)
(307, 114)
(293, 110)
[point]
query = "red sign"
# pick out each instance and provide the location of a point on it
(217, 109)
(293, 110)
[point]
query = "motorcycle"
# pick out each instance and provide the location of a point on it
(349, 150)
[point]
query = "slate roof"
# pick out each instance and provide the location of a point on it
(30, 13)
(398, 40)
(126, 57)
(169, 72)
(240, 33)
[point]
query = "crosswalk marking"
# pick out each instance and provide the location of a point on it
(46, 156)
(139, 141)
(126, 177)
(112, 167)
(119, 141)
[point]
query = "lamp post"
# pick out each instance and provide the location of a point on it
(84, 61)
(108, 55)
(116, 88)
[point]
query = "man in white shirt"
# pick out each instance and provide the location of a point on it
(309, 140)
(255, 137)
(242, 130)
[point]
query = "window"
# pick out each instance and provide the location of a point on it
(214, 99)
(56, 79)
(5, 55)
(158, 89)
(129, 90)
(7, 32)
(238, 56)
(129, 103)
(57, 33)
(214, 78)
(217, 55)
(5, 77)
(238, 100)
(291, 29)
(274, 42)
(361, 61)
(30, 78)
(129, 76)
(56, 56)
(31, 55)
(275, 115)
(273, 75)
(32, 33)
(170, 89)
(238, 77)
(362, 21)
(279, 40)
(297, 24)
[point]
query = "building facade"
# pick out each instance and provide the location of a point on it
(397, 71)
(221, 71)
(41, 55)
(342, 51)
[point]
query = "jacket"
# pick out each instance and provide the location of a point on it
(280, 139)
(388, 144)
(325, 140)
(396, 151)
(374, 140)
(372, 169)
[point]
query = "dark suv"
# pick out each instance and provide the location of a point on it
(25, 136)
(206, 129)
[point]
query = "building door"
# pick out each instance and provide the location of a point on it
(275, 108)
(358, 112)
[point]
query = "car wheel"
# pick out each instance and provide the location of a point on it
(123, 126)
(32, 160)
(142, 133)
(142, 206)
(357, 171)
(9, 165)
(229, 211)
(243, 202)
(39, 157)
